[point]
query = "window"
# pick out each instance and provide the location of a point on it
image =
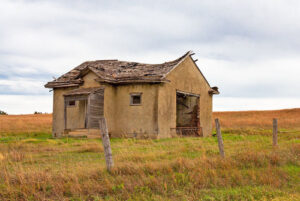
(71, 103)
(136, 99)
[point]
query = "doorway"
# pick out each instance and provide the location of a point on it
(83, 108)
(76, 112)
(187, 113)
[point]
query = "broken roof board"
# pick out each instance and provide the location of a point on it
(114, 71)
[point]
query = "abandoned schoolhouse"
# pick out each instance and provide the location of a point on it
(136, 99)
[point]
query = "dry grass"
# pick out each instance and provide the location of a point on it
(171, 169)
(259, 122)
(287, 119)
(25, 123)
(36, 167)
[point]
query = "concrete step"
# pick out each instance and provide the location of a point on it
(89, 131)
(85, 136)
(94, 131)
(78, 133)
(94, 136)
(85, 133)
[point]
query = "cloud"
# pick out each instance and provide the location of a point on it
(25, 104)
(261, 79)
(237, 104)
(22, 86)
(250, 49)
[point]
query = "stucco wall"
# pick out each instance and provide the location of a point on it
(110, 108)
(122, 118)
(140, 120)
(89, 81)
(58, 111)
(184, 77)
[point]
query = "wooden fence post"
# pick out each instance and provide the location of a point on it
(106, 144)
(220, 140)
(275, 131)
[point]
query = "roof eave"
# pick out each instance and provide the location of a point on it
(135, 81)
(61, 85)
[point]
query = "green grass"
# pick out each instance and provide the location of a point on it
(36, 167)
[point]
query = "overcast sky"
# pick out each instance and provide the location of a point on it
(249, 49)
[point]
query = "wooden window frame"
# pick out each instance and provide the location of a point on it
(131, 99)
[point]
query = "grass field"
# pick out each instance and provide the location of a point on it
(20, 124)
(259, 121)
(36, 167)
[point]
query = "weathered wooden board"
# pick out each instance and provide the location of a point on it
(106, 143)
(95, 108)
(275, 132)
(220, 140)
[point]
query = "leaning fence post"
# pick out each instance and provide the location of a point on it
(220, 140)
(275, 131)
(106, 144)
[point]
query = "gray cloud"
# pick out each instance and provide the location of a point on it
(248, 48)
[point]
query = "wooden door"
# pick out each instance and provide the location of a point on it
(95, 108)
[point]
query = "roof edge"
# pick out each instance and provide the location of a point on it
(135, 81)
(57, 84)
(199, 70)
(183, 57)
(50, 85)
(188, 54)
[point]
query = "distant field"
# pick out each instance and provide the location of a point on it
(35, 166)
(259, 122)
(246, 120)
(287, 119)
(25, 123)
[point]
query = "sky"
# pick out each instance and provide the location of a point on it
(250, 49)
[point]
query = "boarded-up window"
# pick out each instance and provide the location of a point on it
(136, 99)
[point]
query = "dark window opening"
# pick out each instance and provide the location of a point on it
(71, 103)
(135, 99)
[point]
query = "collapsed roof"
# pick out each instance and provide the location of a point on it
(117, 72)
(121, 72)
